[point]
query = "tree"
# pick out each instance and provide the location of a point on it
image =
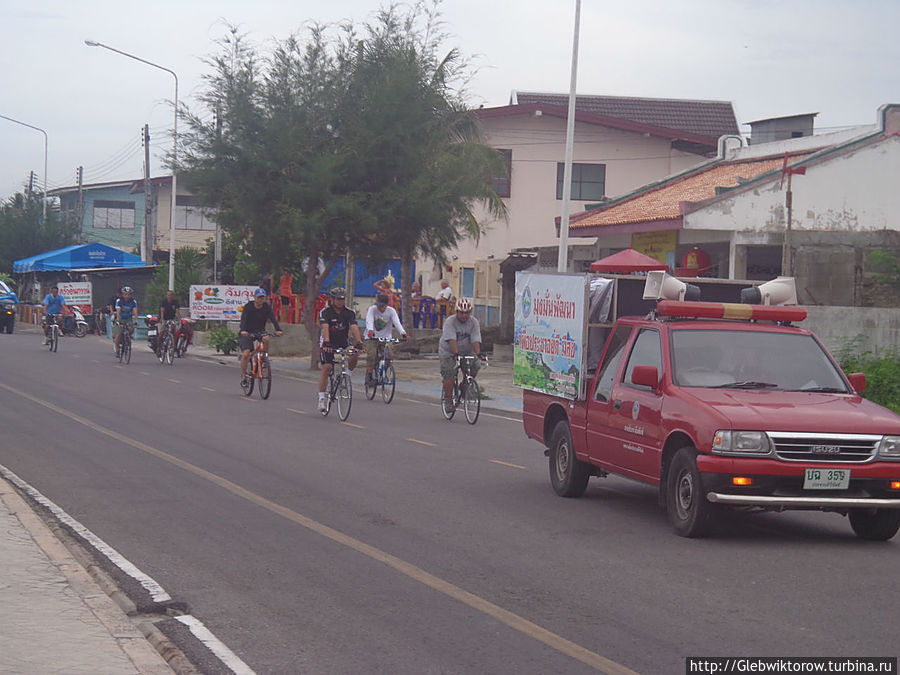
(24, 232)
(190, 270)
(422, 159)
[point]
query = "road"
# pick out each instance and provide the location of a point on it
(403, 543)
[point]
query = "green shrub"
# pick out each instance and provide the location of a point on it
(223, 340)
(882, 372)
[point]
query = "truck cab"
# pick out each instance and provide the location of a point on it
(724, 406)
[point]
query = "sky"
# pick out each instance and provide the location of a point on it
(769, 58)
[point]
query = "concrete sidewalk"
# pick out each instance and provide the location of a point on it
(55, 617)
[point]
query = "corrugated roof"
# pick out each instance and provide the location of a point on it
(705, 118)
(662, 202)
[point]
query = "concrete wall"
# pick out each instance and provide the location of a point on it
(877, 328)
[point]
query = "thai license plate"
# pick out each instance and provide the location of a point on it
(826, 479)
(151, 332)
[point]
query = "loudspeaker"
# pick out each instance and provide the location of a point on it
(661, 286)
(779, 291)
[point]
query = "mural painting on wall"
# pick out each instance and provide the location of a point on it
(658, 245)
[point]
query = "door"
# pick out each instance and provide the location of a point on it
(599, 438)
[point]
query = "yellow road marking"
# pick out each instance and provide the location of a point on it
(207, 388)
(76, 356)
(143, 373)
(350, 424)
(504, 616)
(416, 440)
(299, 412)
(175, 381)
(514, 466)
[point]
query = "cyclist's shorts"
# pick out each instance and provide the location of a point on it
(448, 366)
(374, 349)
(124, 322)
(328, 357)
(245, 342)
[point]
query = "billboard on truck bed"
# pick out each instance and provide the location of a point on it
(550, 324)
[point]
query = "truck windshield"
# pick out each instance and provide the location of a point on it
(743, 359)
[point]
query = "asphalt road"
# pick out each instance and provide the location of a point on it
(403, 543)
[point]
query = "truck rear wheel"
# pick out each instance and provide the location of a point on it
(690, 513)
(568, 474)
(875, 524)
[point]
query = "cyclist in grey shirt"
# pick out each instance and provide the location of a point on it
(461, 335)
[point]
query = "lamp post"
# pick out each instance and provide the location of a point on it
(563, 261)
(92, 43)
(24, 124)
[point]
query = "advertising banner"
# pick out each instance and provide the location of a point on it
(219, 302)
(550, 328)
(77, 293)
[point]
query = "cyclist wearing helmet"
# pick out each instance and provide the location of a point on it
(461, 335)
(380, 322)
(338, 324)
(53, 306)
(126, 312)
(254, 317)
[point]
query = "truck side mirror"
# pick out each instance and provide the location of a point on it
(645, 376)
(857, 381)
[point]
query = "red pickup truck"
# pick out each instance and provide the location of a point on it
(747, 412)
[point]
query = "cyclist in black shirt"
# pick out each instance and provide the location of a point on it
(254, 317)
(168, 311)
(338, 326)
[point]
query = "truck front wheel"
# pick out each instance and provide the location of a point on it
(875, 524)
(689, 511)
(568, 474)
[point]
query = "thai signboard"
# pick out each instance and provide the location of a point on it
(77, 293)
(550, 326)
(219, 302)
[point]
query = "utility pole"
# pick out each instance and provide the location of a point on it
(563, 261)
(787, 254)
(79, 176)
(149, 226)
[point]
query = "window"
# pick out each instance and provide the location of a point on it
(189, 215)
(502, 184)
(611, 363)
(646, 352)
(113, 215)
(588, 181)
(468, 282)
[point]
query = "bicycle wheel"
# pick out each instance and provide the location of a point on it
(372, 384)
(126, 351)
(160, 350)
(180, 346)
(344, 396)
(387, 383)
(472, 401)
(169, 350)
(449, 407)
(329, 393)
(54, 338)
(248, 379)
(264, 374)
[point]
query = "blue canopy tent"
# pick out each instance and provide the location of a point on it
(78, 257)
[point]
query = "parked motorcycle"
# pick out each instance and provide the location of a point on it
(152, 323)
(74, 323)
(183, 337)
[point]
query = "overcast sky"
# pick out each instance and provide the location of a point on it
(769, 58)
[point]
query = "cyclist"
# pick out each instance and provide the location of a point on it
(380, 322)
(168, 311)
(53, 306)
(338, 325)
(254, 316)
(126, 313)
(461, 336)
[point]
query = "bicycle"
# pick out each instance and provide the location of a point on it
(165, 348)
(384, 375)
(465, 390)
(52, 332)
(260, 368)
(124, 352)
(340, 388)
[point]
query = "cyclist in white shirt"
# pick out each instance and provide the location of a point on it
(380, 322)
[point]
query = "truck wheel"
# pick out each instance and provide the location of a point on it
(689, 511)
(568, 474)
(875, 524)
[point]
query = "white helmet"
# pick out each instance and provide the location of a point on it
(463, 305)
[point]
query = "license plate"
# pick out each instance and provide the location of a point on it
(826, 479)
(151, 332)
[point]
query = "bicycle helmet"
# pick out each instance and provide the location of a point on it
(338, 292)
(127, 289)
(463, 305)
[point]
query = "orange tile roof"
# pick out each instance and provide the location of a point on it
(662, 202)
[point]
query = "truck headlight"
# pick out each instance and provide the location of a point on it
(727, 442)
(889, 448)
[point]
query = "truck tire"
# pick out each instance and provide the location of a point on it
(568, 474)
(690, 513)
(875, 524)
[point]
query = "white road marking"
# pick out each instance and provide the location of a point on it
(226, 656)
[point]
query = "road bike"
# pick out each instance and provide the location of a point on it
(52, 333)
(260, 373)
(124, 351)
(340, 388)
(466, 391)
(384, 375)
(165, 347)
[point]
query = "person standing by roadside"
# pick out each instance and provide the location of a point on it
(53, 306)
(285, 292)
(338, 323)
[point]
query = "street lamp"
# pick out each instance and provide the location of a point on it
(45, 156)
(92, 43)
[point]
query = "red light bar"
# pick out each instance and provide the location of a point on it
(729, 310)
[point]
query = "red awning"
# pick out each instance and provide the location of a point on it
(627, 262)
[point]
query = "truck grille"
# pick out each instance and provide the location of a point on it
(796, 447)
